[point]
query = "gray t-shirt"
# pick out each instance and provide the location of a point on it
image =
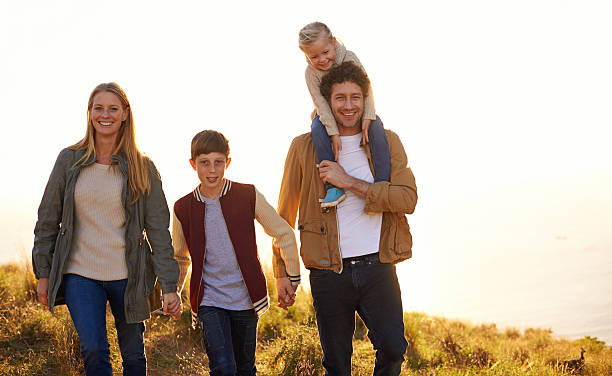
(224, 286)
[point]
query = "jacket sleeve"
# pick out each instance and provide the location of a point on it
(50, 217)
(369, 112)
(157, 221)
(399, 195)
(283, 237)
(288, 200)
(181, 251)
(323, 109)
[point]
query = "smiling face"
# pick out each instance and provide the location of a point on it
(211, 171)
(346, 103)
(107, 114)
(321, 53)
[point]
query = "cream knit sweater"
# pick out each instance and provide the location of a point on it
(313, 81)
(98, 246)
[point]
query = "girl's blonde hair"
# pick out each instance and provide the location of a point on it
(138, 169)
(312, 32)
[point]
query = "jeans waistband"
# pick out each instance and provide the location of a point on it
(371, 258)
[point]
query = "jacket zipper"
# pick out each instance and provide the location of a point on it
(338, 240)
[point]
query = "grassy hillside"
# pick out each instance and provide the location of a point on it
(35, 342)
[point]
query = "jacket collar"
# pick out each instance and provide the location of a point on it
(226, 188)
(121, 161)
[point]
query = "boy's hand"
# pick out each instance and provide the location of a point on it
(172, 304)
(336, 145)
(365, 127)
(286, 292)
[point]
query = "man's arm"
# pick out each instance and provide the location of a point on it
(332, 172)
(399, 195)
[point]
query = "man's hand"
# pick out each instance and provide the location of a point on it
(332, 172)
(336, 145)
(172, 304)
(286, 292)
(42, 291)
(365, 127)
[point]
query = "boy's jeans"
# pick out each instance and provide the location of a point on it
(230, 338)
(86, 300)
(370, 288)
(379, 148)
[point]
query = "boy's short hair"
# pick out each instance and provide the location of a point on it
(347, 71)
(209, 141)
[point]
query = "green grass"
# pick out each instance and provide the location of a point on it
(36, 342)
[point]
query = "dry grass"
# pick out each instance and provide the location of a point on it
(35, 342)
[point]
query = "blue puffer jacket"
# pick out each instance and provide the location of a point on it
(148, 248)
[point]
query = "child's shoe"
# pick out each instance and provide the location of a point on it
(333, 197)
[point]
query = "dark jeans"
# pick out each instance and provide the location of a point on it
(379, 148)
(86, 300)
(370, 288)
(229, 338)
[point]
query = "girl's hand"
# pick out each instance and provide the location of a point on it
(42, 291)
(365, 126)
(336, 145)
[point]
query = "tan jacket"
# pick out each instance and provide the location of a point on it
(313, 81)
(302, 187)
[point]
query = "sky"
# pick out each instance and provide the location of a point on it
(503, 107)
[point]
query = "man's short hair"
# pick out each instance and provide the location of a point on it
(347, 71)
(209, 141)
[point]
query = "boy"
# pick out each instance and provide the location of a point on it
(213, 229)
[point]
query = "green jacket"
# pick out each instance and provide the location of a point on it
(148, 248)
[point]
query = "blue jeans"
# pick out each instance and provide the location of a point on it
(229, 338)
(371, 289)
(86, 300)
(379, 148)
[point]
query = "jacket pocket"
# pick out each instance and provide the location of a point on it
(313, 244)
(403, 238)
(149, 272)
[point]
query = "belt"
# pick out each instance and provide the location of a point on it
(371, 258)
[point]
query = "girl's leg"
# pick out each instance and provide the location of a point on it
(86, 301)
(244, 339)
(322, 144)
(379, 148)
(130, 336)
(324, 151)
(217, 338)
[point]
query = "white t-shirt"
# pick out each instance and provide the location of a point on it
(359, 232)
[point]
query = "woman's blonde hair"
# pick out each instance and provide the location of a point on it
(313, 32)
(138, 169)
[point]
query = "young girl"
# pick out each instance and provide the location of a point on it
(322, 52)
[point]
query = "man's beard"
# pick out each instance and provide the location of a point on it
(340, 124)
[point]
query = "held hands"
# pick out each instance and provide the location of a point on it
(365, 127)
(42, 291)
(286, 292)
(336, 145)
(172, 304)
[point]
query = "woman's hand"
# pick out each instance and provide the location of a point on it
(172, 304)
(42, 291)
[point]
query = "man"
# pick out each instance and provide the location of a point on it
(351, 250)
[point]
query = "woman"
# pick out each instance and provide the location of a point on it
(102, 235)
